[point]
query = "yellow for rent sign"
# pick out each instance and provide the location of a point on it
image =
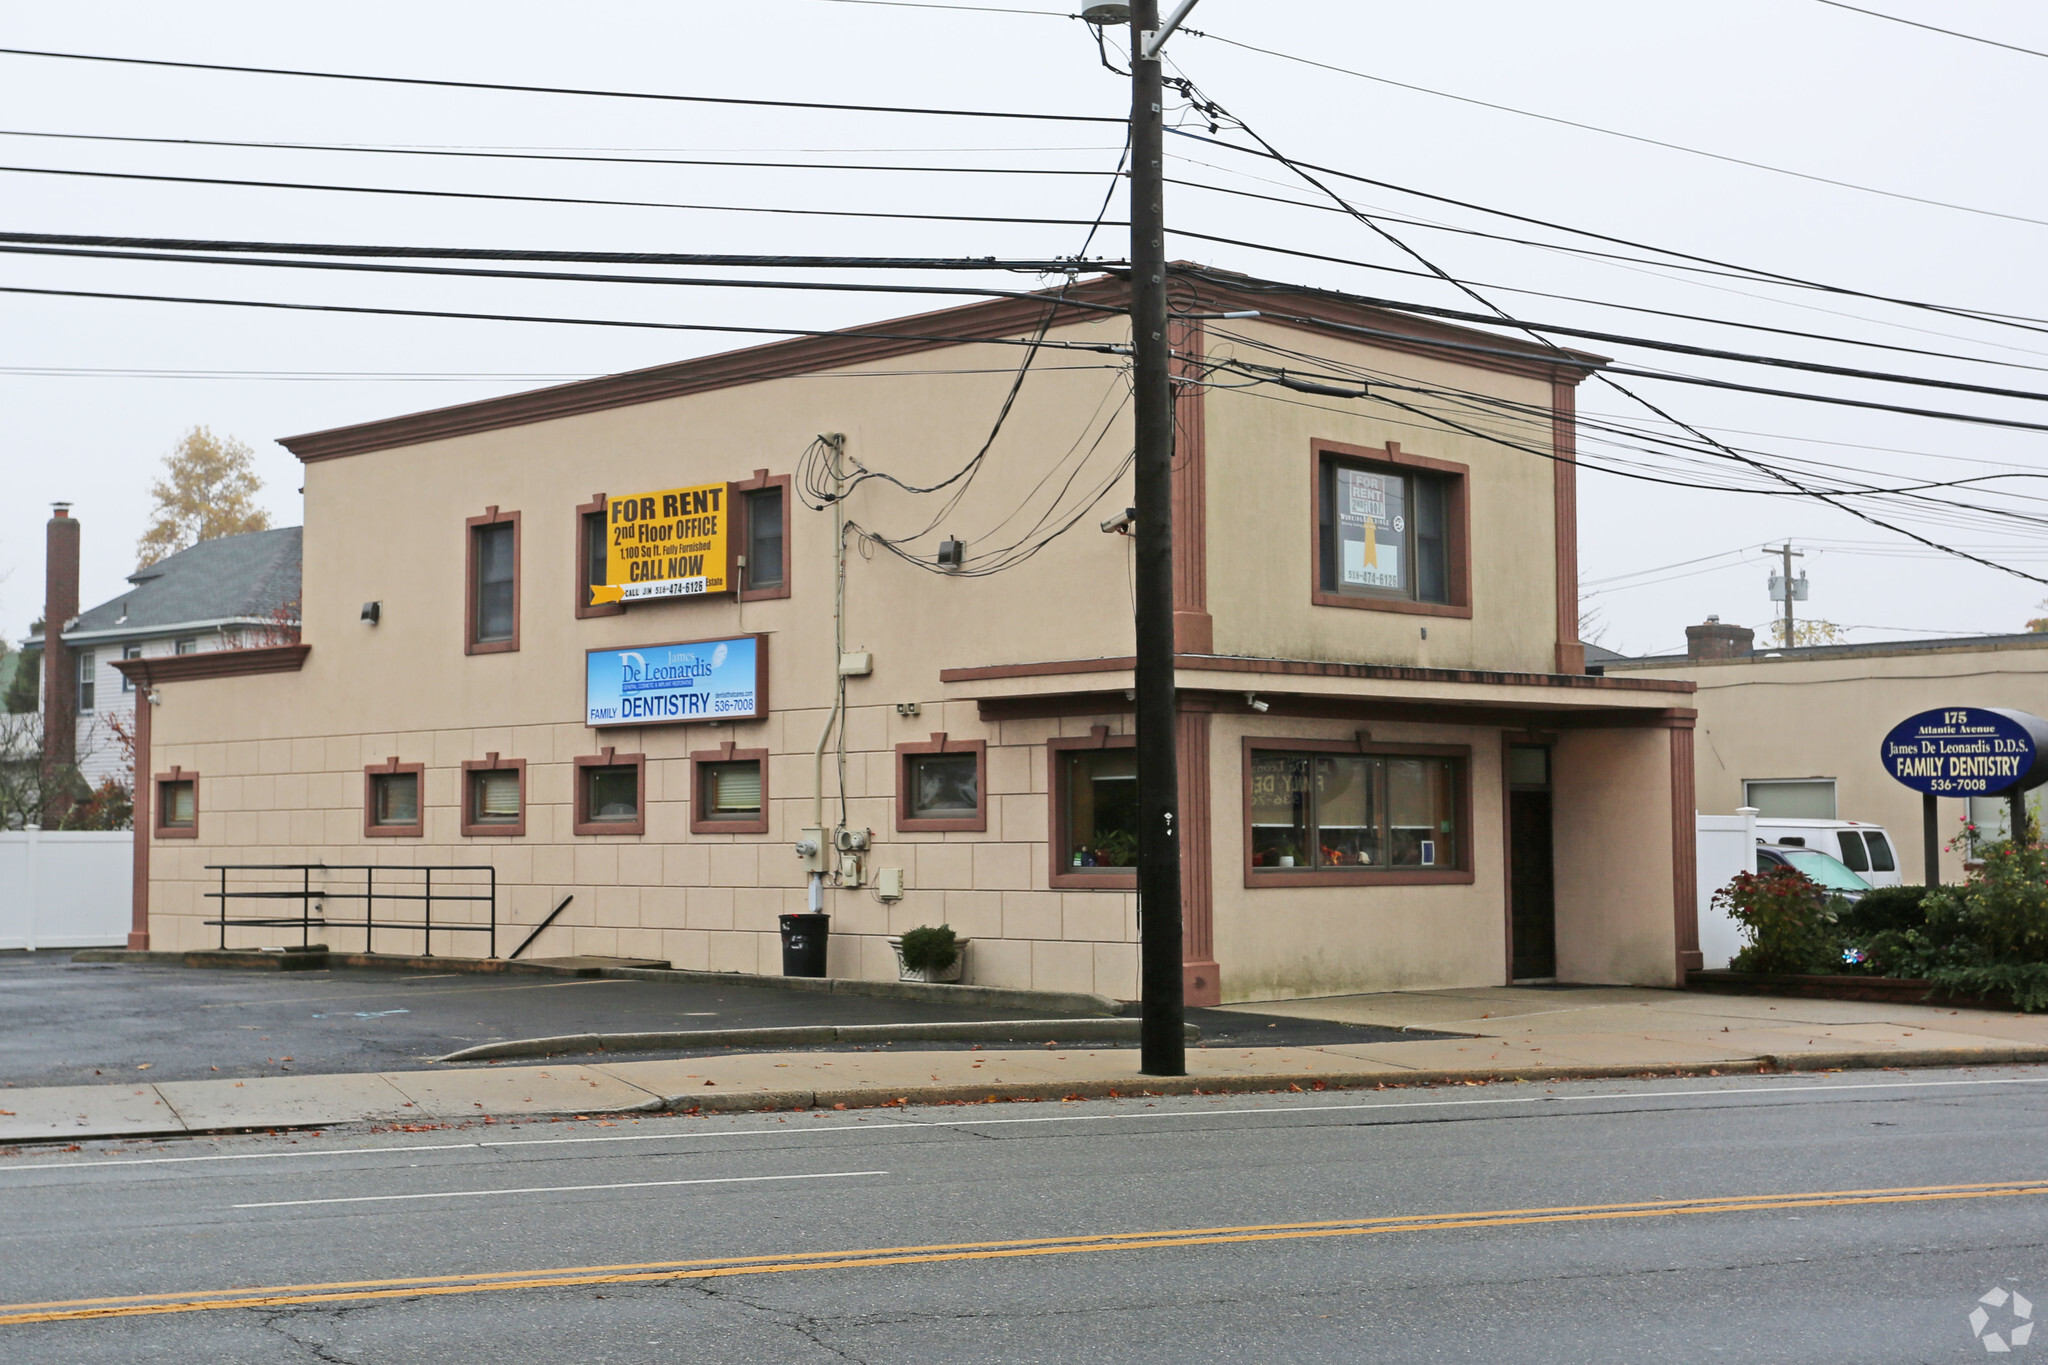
(673, 543)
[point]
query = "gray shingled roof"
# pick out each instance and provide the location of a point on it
(245, 577)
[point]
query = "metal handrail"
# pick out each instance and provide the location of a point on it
(369, 895)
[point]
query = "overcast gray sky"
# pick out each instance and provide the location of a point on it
(97, 391)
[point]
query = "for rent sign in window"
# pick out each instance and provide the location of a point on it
(1372, 529)
(673, 543)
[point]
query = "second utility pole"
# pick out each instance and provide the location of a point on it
(1163, 1050)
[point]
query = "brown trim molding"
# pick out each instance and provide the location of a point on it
(160, 829)
(743, 525)
(594, 508)
(1311, 668)
(145, 794)
(1463, 874)
(1194, 629)
(418, 828)
(728, 752)
(1062, 877)
(491, 517)
(1564, 485)
(933, 331)
(1685, 853)
(907, 823)
(581, 823)
(219, 663)
(1201, 979)
(471, 827)
(1457, 530)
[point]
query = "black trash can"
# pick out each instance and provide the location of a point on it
(803, 944)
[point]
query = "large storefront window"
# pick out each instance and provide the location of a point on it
(1354, 812)
(1099, 802)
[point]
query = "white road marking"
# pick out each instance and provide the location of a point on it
(552, 1189)
(896, 1123)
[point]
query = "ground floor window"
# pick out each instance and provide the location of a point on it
(729, 790)
(177, 804)
(1805, 798)
(494, 796)
(391, 799)
(1314, 811)
(1100, 787)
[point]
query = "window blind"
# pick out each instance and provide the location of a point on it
(736, 788)
(497, 794)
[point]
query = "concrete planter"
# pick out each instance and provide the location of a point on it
(953, 973)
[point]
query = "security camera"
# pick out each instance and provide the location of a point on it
(1121, 523)
(1251, 699)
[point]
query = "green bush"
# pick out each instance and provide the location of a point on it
(930, 950)
(1787, 920)
(1888, 909)
(1987, 937)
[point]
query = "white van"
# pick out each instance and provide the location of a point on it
(1866, 848)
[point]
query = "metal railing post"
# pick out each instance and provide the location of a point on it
(369, 908)
(306, 906)
(494, 909)
(223, 909)
(427, 929)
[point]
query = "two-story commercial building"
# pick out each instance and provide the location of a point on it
(625, 639)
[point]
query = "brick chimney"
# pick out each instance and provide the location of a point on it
(1716, 641)
(60, 670)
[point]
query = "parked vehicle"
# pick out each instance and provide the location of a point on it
(1866, 849)
(1830, 872)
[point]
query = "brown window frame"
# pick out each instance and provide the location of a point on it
(595, 507)
(743, 527)
(390, 767)
(491, 517)
(939, 743)
(1457, 528)
(162, 830)
(1061, 876)
(1463, 874)
(609, 757)
(472, 828)
(728, 752)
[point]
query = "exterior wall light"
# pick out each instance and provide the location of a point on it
(373, 612)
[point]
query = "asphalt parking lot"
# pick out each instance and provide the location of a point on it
(68, 1023)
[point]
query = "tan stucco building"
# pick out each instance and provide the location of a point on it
(1395, 770)
(1796, 732)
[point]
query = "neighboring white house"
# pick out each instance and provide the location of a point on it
(229, 593)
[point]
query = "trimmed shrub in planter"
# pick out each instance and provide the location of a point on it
(930, 954)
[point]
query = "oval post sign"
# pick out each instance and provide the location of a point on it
(1968, 751)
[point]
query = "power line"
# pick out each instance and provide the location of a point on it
(1637, 137)
(552, 89)
(483, 155)
(1744, 271)
(470, 272)
(542, 198)
(1947, 32)
(1052, 265)
(1099, 348)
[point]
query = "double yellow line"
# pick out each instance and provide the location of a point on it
(135, 1305)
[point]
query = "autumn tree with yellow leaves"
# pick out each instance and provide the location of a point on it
(208, 490)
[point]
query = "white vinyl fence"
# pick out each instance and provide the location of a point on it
(66, 889)
(1727, 845)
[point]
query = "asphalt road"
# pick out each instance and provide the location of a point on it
(1755, 1219)
(67, 1023)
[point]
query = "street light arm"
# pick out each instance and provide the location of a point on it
(1158, 40)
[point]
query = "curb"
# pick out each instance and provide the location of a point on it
(1000, 1031)
(981, 997)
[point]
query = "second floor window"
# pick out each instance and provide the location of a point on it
(493, 571)
(129, 652)
(1384, 532)
(765, 542)
(88, 669)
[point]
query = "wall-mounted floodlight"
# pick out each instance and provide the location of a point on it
(952, 553)
(373, 612)
(1251, 699)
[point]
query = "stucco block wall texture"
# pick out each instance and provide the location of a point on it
(281, 756)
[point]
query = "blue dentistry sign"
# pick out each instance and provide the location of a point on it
(1968, 751)
(688, 680)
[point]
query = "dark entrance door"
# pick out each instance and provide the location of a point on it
(1532, 893)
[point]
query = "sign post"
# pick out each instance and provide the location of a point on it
(1966, 751)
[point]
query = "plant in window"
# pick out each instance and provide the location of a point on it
(1117, 848)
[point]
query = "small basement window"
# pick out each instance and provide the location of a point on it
(394, 799)
(177, 806)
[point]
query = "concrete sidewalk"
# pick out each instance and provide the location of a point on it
(1520, 1034)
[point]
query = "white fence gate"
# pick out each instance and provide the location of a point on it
(1727, 845)
(66, 889)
